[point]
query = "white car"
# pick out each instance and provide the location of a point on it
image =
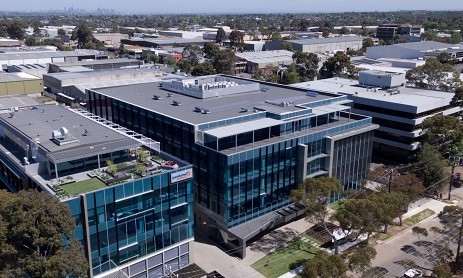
(412, 273)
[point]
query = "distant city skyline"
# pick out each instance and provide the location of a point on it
(236, 6)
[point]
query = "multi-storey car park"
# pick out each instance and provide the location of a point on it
(250, 144)
(134, 217)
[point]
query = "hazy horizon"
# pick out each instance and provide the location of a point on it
(237, 6)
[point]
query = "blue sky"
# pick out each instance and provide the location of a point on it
(235, 6)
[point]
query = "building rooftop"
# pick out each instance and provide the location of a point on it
(16, 76)
(85, 137)
(96, 62)
(221, 107)
(48, 54)
(423, 46)
(406, 99)
(328, 40)
(168, 41)
(266, 57)
(8, 102)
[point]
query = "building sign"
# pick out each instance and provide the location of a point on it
(181, 175)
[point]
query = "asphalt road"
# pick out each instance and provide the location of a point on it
(392, 254)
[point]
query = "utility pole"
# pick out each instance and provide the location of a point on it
(451, 176)
(389, 185)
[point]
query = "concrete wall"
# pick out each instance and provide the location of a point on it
(392, 51)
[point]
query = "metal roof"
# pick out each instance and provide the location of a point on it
(96, 62)
(327, 40)
(423, 46)
(8, 102)
(44, 55)
(244, 127)
(266, 57)
(323, 110)
(17, 76)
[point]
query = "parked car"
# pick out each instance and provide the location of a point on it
(413, 273)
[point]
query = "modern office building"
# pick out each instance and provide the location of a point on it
(250, 144)
(398, 110)
(390, 31)
(322, 45)
(134, 217)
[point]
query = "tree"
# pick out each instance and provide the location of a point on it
(434, 75)
(193, 53)
(455, 38)
(61, 32)
(221, 35)
(185, 65)
(224, 61)
(442, 271)
(458, 96)
(287, 46)
(291, 75)
(237, 40)
(367, 42)
(338, 65)
(431, 168)
(409, 187)
(33, 246)
(205, 68)
(16, 30)
(443, 131)
(276, 36)
(84, 36)
(307, 65)
(315, 195)
(324, 265)
(30, 41)
(445, 57)
(210, 49)
(273, 78)
(361, 257)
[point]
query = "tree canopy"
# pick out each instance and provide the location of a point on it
(324, 265)
(33, 226)
(337, 66)
(434, 75)
(224, 61)
(237, 40)
(443, 131)
(205, 68)
(221, 35)
(430, 169)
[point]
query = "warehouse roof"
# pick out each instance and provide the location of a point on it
(96, 62)
(17, 76)
(266, 57)
(50, 54)
(327, 40)
(424, 46)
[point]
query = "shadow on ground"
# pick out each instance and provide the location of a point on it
(273, 240)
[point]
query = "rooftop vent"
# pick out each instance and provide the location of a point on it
(176, 103)
(264, 89)
(169, 94)
(312, 94)
(157, 97)
(244, 109)
(197, 109)
(12, 114)
(205, 111)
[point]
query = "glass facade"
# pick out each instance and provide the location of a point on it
(240, 186)
(131, 220)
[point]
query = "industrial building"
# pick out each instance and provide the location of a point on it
(94, 65)
(324, 45)
(19, 83)
(45, 57)
(259, 62)
(136, 219)
(412, 50)
(73, 84)
(250, 144)
(398, 110)
(154, 43)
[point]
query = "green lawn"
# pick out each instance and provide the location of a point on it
(420, 216)
(76, 188)
(284, 259)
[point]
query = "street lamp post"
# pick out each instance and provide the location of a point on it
(453, 171)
